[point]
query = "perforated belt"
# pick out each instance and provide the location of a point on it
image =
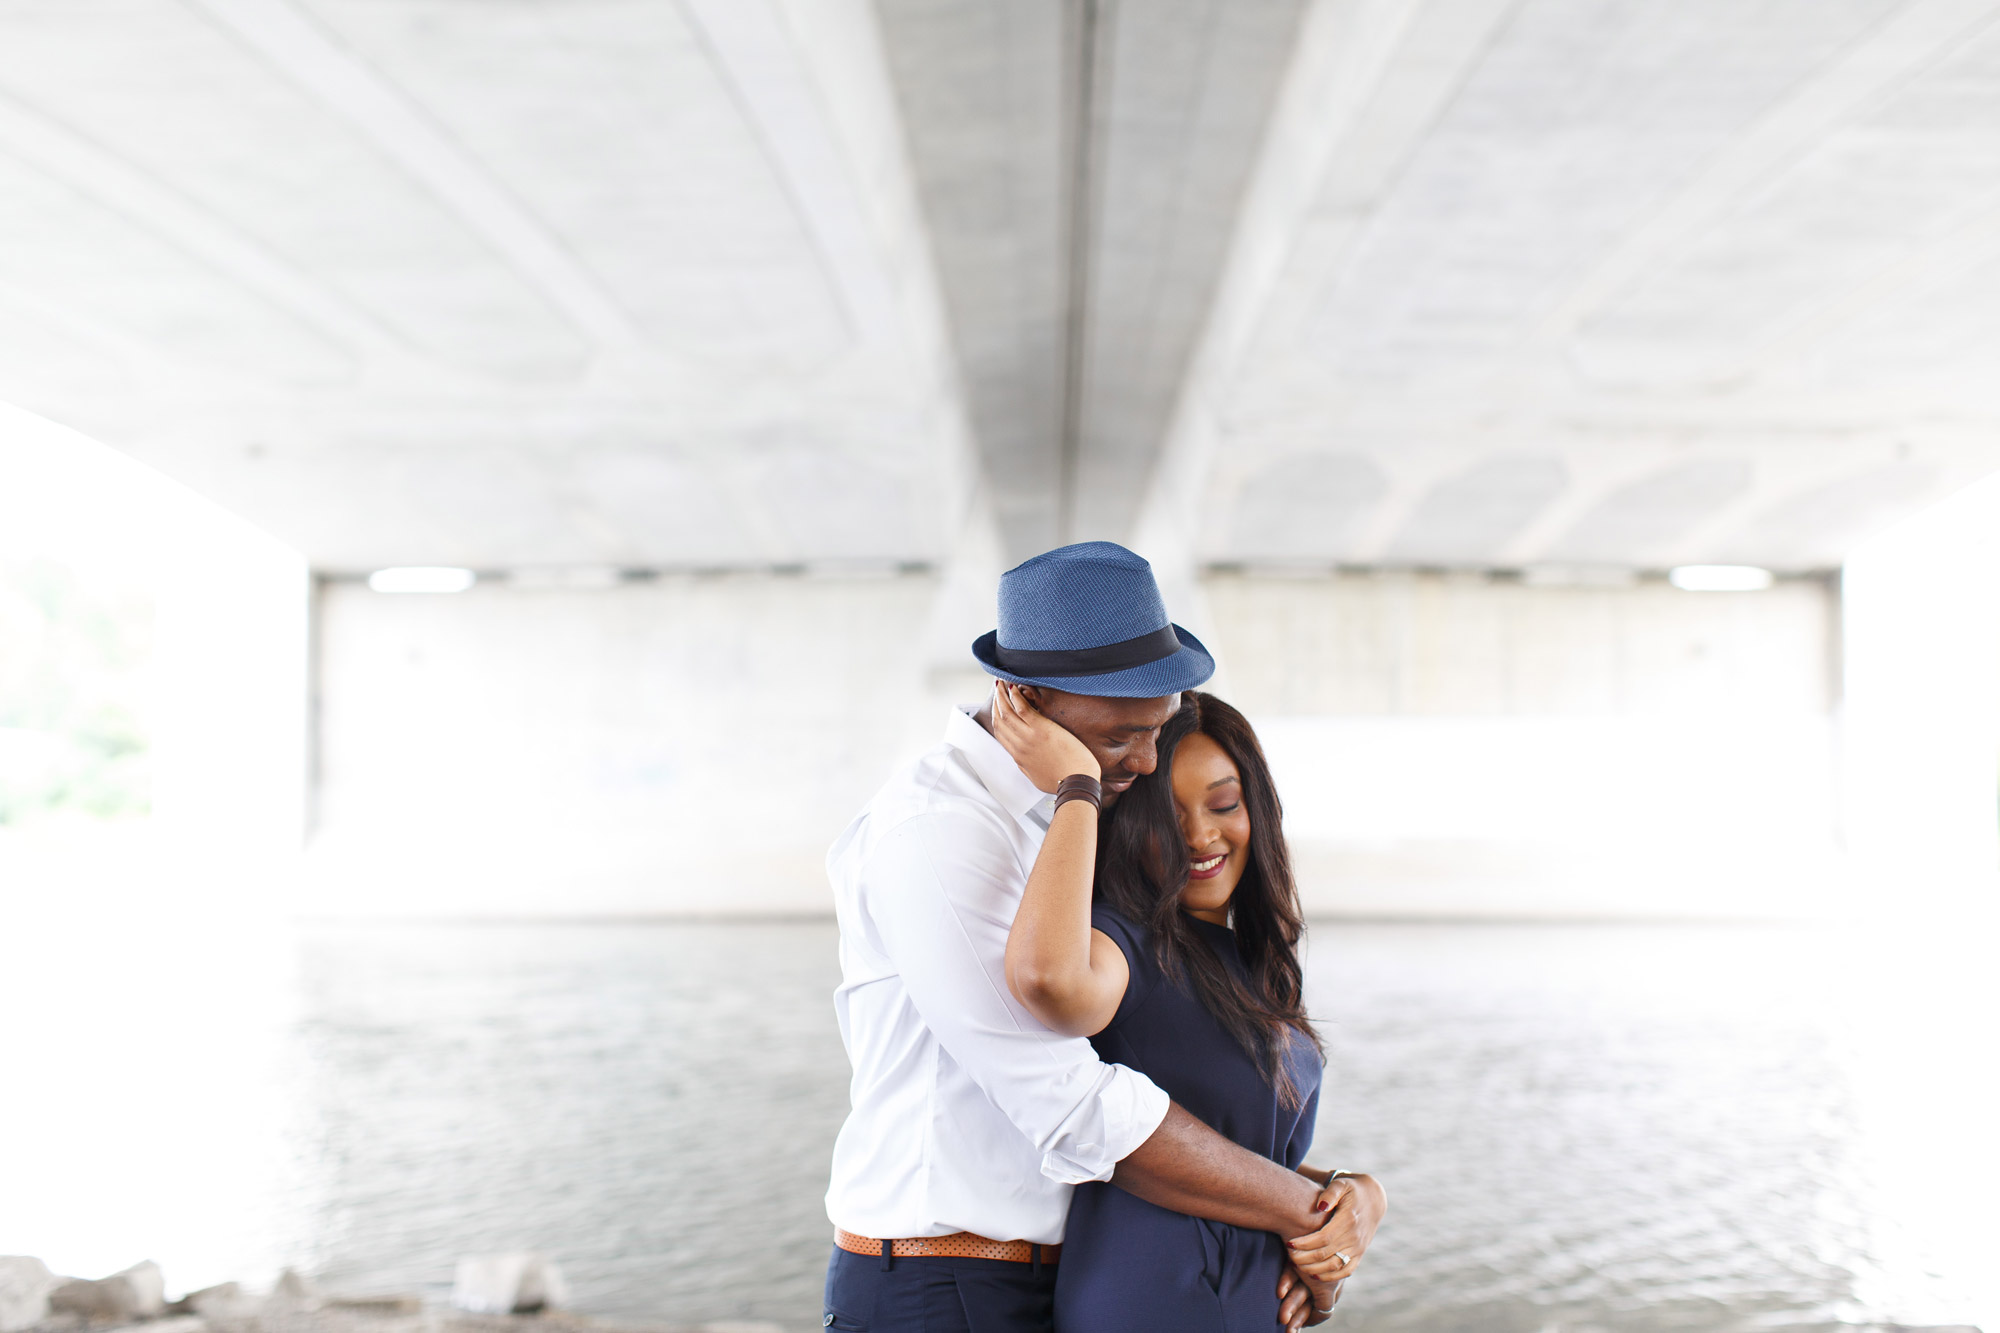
(958, 1245)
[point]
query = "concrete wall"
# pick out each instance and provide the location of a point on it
(685, 745)
(1439, 645)
(1452, 745)
(1445, 746)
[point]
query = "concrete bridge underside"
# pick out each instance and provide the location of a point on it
(1451, 283)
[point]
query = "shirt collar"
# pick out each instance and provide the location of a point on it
(995, 767)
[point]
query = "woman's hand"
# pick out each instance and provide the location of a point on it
(1303, 1302)
(1331, 1254)
(1046, 752)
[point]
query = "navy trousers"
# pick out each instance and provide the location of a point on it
(866, 1294)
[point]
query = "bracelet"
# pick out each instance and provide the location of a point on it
(1080, 787)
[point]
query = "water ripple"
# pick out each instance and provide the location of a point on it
(1584, 1128)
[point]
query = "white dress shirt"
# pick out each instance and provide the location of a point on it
(968, 1114)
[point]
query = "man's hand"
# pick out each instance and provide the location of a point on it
(1356, 1206)
(1046, 752)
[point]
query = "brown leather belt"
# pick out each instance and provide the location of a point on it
(958, 1245)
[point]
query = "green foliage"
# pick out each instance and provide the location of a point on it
(74, 653)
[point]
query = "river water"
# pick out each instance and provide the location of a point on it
(1582, 1127)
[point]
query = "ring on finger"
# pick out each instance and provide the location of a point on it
(1340, 1256)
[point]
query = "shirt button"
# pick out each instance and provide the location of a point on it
(828, 1321)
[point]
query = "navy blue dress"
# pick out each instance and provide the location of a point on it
(1131, 1265)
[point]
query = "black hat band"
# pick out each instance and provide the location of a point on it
(1161, 643)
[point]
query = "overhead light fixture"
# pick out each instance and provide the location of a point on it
(1719, 578)
(422, 578)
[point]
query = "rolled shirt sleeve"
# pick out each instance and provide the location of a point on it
(938, 902)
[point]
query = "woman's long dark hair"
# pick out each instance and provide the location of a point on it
(1142, 869)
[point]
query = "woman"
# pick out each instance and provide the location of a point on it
(1187, 970)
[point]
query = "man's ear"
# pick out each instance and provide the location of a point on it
(1033, 694)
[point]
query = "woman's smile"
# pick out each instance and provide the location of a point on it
(1209, 868)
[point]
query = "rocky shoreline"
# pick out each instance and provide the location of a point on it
(514, 1293)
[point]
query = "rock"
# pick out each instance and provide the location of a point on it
(508, 1284)
(187, 1323)
(399, 1303)
(140, 1292)
(209, 1300)
(25, 1284)
(292, 1289)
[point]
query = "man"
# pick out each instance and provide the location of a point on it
(971, 1122)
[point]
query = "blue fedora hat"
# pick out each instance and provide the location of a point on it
(1088, 619)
